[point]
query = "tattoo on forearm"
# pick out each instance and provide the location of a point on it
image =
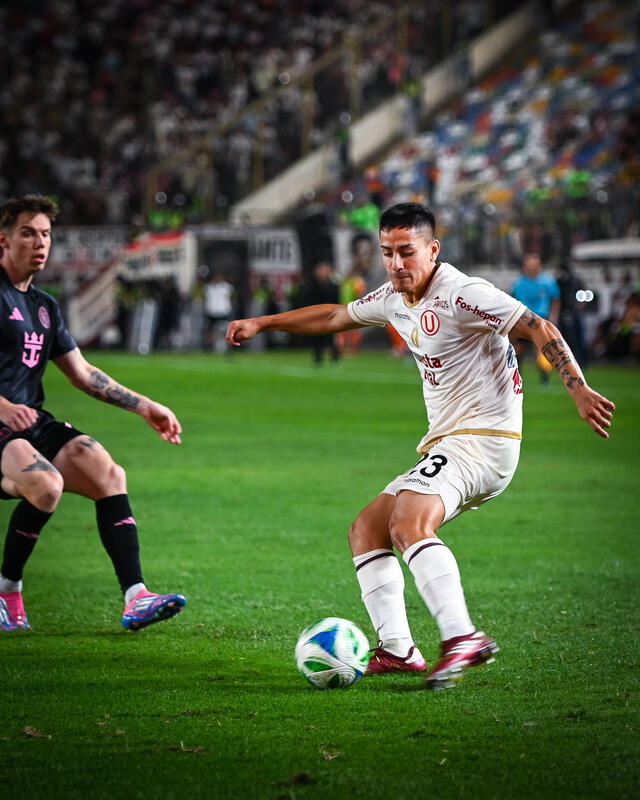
(573, 380)
(555, 352)
(558, 355)
(530, 319)
(40, 465)
(99, 380)
(104, 389)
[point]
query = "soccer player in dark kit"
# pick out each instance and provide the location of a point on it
(40, 457)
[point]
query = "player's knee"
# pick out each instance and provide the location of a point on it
(357, 533)
(404, 530)
(46, 492)
(114, 479)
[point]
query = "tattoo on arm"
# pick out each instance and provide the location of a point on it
(110, 392)
(40, 465)
(557, 353)
(530, 319)
(88, 442)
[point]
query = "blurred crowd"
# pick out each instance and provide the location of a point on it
(540, 155)
(93, 94)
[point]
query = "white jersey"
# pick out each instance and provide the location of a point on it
(457, 334)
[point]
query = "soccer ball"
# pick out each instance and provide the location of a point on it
(332, 653)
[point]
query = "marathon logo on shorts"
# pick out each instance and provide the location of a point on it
(426, 484)
(490, 319)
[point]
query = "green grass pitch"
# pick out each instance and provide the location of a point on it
(248, 518)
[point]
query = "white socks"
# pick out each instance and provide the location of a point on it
(9, 586)
(437, 577)
(382, 585)
(132, 591)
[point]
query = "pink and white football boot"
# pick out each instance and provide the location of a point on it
(383, 661)
(13, 617)
(459, 653)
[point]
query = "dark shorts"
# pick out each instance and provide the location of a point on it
(47, 436)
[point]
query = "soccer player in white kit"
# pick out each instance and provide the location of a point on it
(457, 329)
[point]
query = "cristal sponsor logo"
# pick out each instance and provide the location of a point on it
(429, 322)
(491, 319)
(432, 363)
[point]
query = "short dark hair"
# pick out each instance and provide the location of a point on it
(408, 215)
(11, 209)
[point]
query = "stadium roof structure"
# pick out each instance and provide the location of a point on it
(607, 250)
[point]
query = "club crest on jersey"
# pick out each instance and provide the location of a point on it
(429, 322)
(43, 316)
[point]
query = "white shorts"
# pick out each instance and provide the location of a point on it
(466, 470)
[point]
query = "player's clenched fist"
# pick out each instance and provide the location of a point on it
(241, 329)
(17, 417)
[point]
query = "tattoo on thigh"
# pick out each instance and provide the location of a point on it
(40, 465)
(88, 442)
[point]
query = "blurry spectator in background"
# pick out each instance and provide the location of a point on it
(353, 287)
(570, 319)
(322, 288)
(539, 291)
(169, 307)
(363, 252)
(127, 295)
(218, 310)
(622, 336)
(267, 301)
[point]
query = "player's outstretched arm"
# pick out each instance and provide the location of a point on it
(594, 409)
(325, 318)
(98, 384)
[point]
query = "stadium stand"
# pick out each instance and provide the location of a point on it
(542, 154)
(94, 95)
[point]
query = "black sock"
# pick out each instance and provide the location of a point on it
(119, 536)
(24, 530)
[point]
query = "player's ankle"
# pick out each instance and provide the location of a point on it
(399, 647)
(132, 591)
(7, 585)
